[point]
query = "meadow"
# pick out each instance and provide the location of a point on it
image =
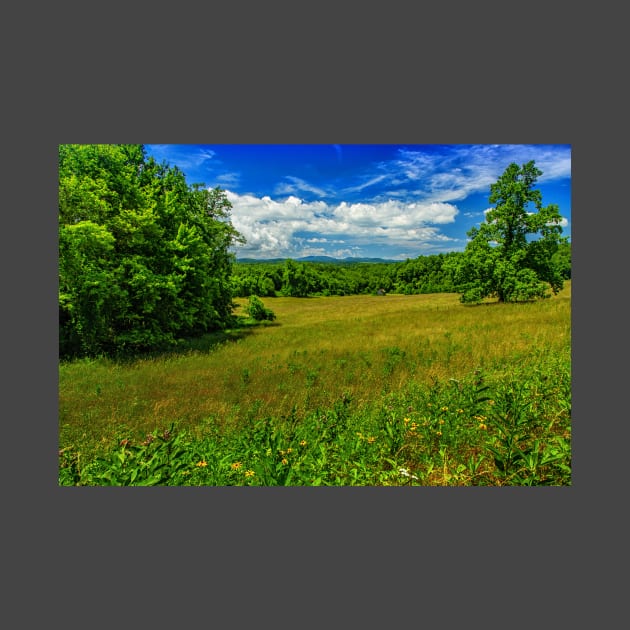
(352, 390)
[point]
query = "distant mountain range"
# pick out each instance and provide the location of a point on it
(317, 259)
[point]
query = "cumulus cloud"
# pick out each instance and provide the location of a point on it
(292, 226)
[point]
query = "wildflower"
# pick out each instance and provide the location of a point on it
(249, 473)
(371, 440)
(281, 452)
(406, 421)
(289, 450)
(285, 461)
(236, 465)
(439, 432)
(444, 408)
(483, 427)
(460, 411)
(303, 443)
(405, 473)
(414, 426)
(202, 463)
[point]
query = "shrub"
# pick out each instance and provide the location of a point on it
(257, 310)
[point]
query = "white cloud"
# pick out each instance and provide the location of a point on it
(181, 155)
(228, 179)
(296, 185)
(294, 227)
(460, 170)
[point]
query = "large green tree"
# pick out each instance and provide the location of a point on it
(143, 256)
(512, 254)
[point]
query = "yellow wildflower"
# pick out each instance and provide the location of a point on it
(202, 463)
(303, 443)
(444, 408)
(289, 450)
(406, 420)
(439, 432)
(460, 411)
(285, 461)
(249, 473)
(371, 440)
(236, 465)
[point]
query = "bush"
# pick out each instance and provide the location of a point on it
(257, 310)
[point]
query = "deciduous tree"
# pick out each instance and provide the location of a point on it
(510, 256)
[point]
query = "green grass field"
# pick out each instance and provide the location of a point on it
(358, 390)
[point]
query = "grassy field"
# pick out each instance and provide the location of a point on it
(363, 390)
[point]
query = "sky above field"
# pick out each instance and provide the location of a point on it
(382, 201)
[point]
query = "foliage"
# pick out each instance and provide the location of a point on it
(257, 310)
(513, 254)
(143, 257)
(290, 278)
(464, 432)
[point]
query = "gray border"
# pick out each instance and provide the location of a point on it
(367, 75)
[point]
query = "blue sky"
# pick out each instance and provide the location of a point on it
(386, 201)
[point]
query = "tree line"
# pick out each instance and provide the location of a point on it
(290, 278)
(146, 259)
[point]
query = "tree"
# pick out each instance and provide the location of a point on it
(511, 255)
(143, 256)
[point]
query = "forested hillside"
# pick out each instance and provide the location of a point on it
(425, 274)
(291, 278)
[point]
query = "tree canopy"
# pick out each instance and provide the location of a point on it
(514, 254)
(143, 256)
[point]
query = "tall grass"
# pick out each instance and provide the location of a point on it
(365, 350)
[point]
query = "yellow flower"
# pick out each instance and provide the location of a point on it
(371, 440)
(249, 473)
(202, 463)
(303, 443)
(414, 426)
(483, 427)
(289, 450)
(444, 408)
(406, 420)
(285, 461)
(460, 411)
(236, 465)
(439, 432)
